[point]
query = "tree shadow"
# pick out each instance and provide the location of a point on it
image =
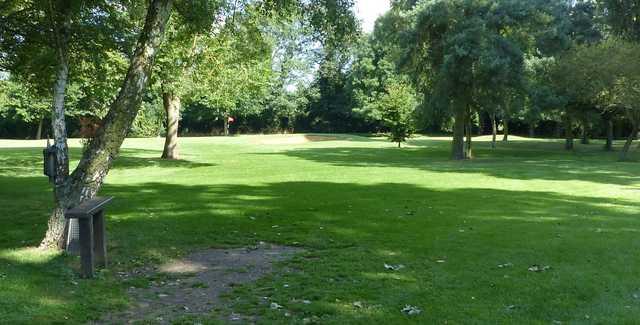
(522, 160)
(351, 230)
(140, 158)
(29, 161)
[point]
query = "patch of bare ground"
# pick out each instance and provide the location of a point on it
(192, 286)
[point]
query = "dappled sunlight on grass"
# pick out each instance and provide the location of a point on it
(50, 302)
(388, 276)
(29, 255)
(359, 310)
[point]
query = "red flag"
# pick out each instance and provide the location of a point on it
(230, 119)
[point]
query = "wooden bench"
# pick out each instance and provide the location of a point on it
(93, 244)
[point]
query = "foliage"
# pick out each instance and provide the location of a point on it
(21, 102)
(623, 17)
(150, 119)
(369, 75)
(397, 107)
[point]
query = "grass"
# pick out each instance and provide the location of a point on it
(353, 203)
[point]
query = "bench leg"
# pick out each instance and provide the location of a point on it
(100, 241)
(86, 246)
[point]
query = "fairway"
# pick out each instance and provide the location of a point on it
(525, 233)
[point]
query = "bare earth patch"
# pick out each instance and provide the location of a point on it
(192, 286)
(293, 139)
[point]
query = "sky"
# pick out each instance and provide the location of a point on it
(369, 10)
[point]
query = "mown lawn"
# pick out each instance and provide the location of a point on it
(354, 203)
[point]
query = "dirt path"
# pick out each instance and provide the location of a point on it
(192, 286)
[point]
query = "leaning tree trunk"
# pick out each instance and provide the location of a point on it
(171, 104)
(55, 235)
(458, 150)
(494, 130)
(96, 160)
(568, 131)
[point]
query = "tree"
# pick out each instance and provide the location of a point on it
(292, 61)
(463, 47)
(18, 102)
(603, 75)
(369, 76)
(330, 103)
(232, 75)
(173, 69)
(542, 99)
(397, 108)
(96, 160)
(626, 90)
(623, 16)
(187, 37)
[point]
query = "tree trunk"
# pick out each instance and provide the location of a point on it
(585, 133)
(171, 104)
(226, 125)
(468, 153)
(480, 123)
(494, 130)
(505, 123)
(57, 224)
(627, 145)
(557, 132)
(39, 130)
(609, 144)
(568, 131)
(532, 130)
(457, 150)
(96, 160)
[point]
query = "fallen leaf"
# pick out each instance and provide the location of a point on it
(538, 268)
(393, 267)
(411, 310)
(275, 306)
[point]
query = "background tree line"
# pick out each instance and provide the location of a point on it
(475, 67)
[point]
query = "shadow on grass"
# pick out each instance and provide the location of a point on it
(351, 230)
(534, 161)
(143, 158)
(29, 161)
